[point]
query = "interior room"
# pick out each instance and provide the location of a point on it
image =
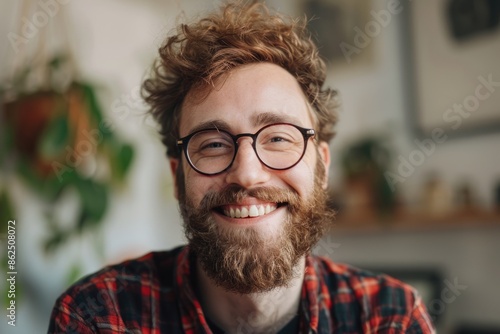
(415, 170)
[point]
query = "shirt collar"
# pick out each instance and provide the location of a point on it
(315, 301)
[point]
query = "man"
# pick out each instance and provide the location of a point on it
(246, 123)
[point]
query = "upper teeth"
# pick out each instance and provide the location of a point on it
(249, 211)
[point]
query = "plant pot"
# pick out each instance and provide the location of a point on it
(29, 118)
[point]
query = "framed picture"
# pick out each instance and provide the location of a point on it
(453, 54)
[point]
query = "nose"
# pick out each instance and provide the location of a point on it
(247, 170)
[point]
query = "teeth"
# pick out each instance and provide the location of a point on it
(253, 212)
(244, 212)
(250, 211)
(262, 210)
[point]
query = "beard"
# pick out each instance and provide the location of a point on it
(242, 260)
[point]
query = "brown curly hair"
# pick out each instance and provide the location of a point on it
(241, 33)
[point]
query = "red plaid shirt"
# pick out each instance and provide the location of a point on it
(156, 294)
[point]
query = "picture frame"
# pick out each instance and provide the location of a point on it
(451, 65)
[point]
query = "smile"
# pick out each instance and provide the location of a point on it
(246, 211)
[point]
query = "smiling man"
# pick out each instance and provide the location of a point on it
(246, 123)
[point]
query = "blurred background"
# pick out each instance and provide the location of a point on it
(415, 174)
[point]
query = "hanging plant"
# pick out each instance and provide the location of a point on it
(56, 142)
(54, 138)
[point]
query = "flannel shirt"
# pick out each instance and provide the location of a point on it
(157, 294)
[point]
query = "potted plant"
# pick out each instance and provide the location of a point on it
(55, 139)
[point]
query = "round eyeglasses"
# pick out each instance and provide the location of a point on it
(278, 146)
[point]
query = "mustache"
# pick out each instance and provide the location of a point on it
(236, 194)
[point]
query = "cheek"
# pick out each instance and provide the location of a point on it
(305, 175)
(194, 190)
(197, 185)
(301, 179)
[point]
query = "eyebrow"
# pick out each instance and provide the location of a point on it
(270, 117)
(260, 119)
(212, 124)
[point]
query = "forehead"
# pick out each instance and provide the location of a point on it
(248, 97)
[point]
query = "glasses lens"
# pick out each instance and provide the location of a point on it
(280, 146)
(210, 151)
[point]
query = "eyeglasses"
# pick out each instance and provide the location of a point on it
(278, 146)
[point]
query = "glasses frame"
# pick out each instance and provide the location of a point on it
(183, 142)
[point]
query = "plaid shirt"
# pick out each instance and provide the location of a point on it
(156, 294)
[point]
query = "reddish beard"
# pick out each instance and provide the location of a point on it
(242, 260)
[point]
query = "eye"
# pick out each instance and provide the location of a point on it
(214, 145)
(277, 139)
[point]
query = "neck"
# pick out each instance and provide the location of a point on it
(265, 312)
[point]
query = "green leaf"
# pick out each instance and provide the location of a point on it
(53, 188)
(74, 273)
(82, 220)
(94, 200)
(27, 174)
(93, 104)
(57, 61)
(55, 137)
(95, 110)
(121, 157)
(48, 188)
(57, 237)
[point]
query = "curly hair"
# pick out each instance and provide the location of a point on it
(202, 52)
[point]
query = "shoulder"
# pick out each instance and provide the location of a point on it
(119, 291)
(360, 282)
(380, 301)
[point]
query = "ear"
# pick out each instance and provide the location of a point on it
(324, 155)
(174, 164)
